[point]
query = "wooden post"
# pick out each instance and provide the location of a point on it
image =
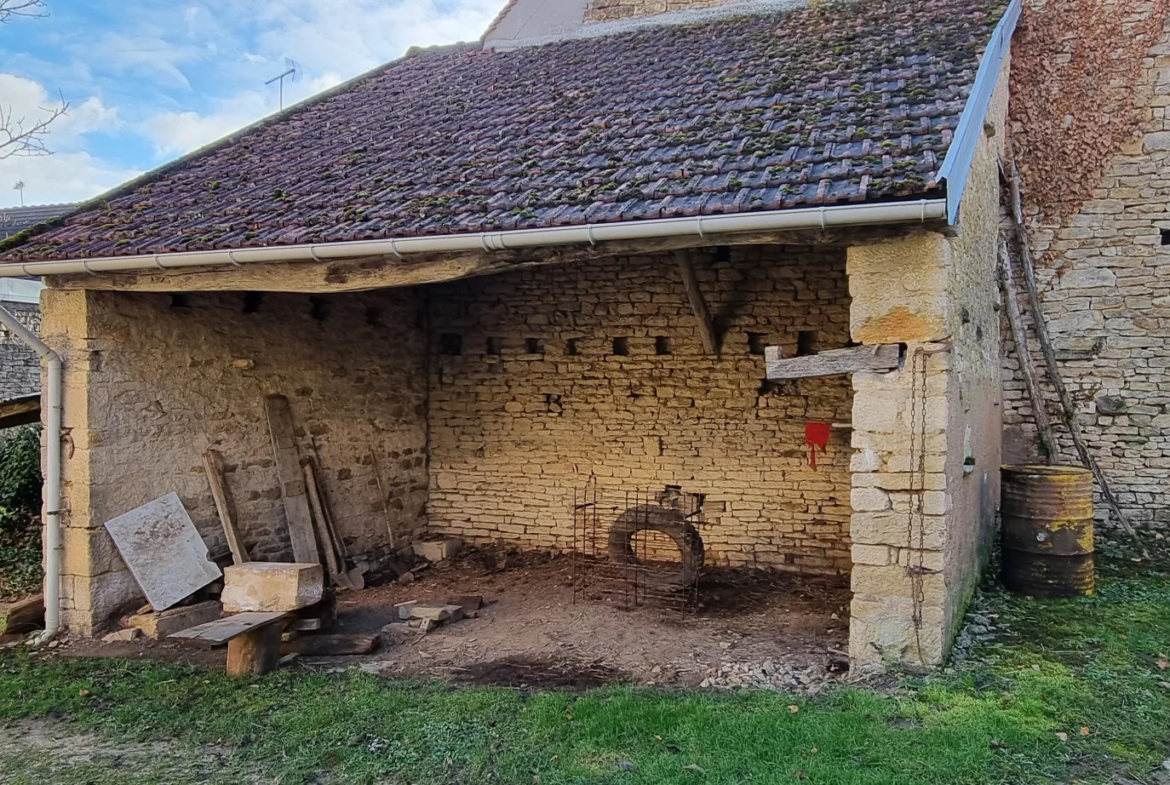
(292, 481)
(686, 267)
(254, 653)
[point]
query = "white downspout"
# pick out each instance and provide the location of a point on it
(52, 479)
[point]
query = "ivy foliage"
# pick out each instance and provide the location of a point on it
(20, 511)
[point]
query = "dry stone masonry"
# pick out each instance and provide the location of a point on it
(540, 378)
(1104, 275)
(606, 10)
(20, 367)
(153, 381)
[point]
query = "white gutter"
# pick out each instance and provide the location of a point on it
(836, 216)
(52, 479)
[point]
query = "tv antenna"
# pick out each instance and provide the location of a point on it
(292, 69)
(20, 187)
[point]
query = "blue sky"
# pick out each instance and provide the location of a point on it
(148, 80)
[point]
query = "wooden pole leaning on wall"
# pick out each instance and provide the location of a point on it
(213, 465)
(1007, 287)
(686, 267)
(1068, 409)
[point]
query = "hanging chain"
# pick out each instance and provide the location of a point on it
(917, 485)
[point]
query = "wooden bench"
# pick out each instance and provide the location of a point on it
(253, 640)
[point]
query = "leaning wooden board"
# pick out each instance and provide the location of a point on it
(292, 481)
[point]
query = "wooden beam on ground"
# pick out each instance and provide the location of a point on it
(351, 275)
(885, 357)
(213, 465)
(686, 268)
(292, 481)
(24, 410)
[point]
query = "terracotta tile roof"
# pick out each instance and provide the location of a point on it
(847, 102)
(14, 220)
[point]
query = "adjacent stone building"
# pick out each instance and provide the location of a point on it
(1092, 134)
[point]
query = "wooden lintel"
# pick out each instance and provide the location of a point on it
(379, 272)
(686, 268)
(884, 357)
(20, 411)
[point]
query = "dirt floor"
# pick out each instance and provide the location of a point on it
(752, 629)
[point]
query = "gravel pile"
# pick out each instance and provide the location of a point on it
(769, 675)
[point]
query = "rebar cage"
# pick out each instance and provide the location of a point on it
(637, 546)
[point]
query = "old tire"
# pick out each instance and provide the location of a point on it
(674, 525)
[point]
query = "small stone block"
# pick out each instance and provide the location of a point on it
(123, 636)
(468, 602)
(272, 586)
(437, 613)
(438, 550)
(160, 625)
(402, 610)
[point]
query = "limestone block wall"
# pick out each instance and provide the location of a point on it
(153, 381)
(1104, 275)
(604, 10)
(926, 473)
(20, 367)
(540, 377)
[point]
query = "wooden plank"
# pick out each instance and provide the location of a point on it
(378, 272)
(686, 268)
(213, 464)
(20, 411)
(292, 481)
(254, 653)
(220, 631)
(885, 357)
(324, 537)
(329, 645)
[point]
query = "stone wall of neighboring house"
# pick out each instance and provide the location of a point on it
(605, 10)
(541, 377)
(1103, 243)
(20, 367)
(153, 381)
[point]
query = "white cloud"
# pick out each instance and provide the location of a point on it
(71, 173)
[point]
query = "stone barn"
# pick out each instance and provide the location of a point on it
(647, 249)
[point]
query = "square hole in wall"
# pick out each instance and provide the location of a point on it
(756, 343)
(533, 346)
(252, 301)
(621, 347)
(180, 301)
(571, 348)
(1165, 236)
(319, 308)
(451, 344)
(495, 346)
(806, 343)
(662, 345)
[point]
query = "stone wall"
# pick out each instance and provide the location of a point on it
(20, 367)
(605, 10)
(926, 474)
(153, 381)
(540, 377)
(1104, 275)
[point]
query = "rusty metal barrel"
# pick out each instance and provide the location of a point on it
(1047, 514)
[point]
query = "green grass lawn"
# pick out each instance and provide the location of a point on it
(1072, 690)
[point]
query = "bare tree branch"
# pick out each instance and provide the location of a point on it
(11, 8)
(22, 137)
